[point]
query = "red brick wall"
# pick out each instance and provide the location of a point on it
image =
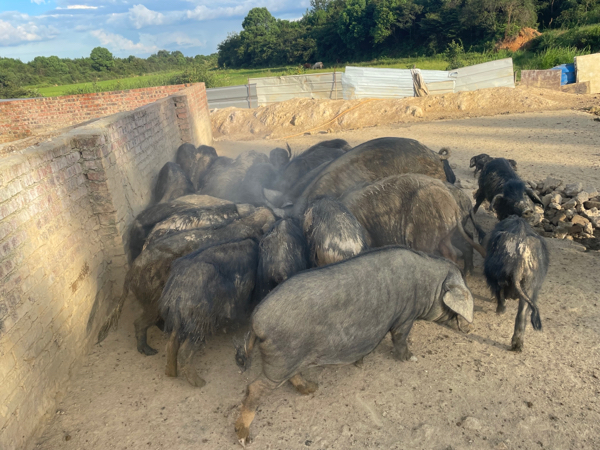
(65, 208)
(23, 118)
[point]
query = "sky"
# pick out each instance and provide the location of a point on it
(72, 28)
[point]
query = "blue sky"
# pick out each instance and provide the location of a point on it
(72, 28)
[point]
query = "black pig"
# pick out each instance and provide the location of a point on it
(332, 232)
(368, 162)
(172, 183)
(515, 267)
(409, 209)
(196, 161)
(341, 312)
(279, 157)
(205, 290)
(145, 221)
(500, 185)
(282, 252)
(150, 270)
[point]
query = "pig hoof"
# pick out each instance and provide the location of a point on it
(517, 346)
(171, 372)
(403, 355)
(500, 309)
(243, 434)
(147, 350)
(360, 363)
(309, 388)
(193, 378)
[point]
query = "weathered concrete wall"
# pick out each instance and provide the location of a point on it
(588, 69)
(65, 206)
(22, 118)
(545, 79)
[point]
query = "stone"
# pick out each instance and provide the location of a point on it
(593, 215)
(572, 189)
(582, 197)
(556, 198)
(546, 200)
(532, 184)
(592, 191)
(471, 423)
(591, 204)
(550, 184)
(538, 209)
(570, 213)
(554, 205)
(561, 216)
(414, 111)
(579, 220)
(548, 227)
(569, 204)
(589, 229)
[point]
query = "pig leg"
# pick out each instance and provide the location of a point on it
(520, 322)
(447, 250)
(172, 350)
(360, 363)
(255, 391)
(399, 336)
(148, 318)
(187, 352)
(303, 386)
(501, 299)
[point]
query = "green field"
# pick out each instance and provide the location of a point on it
(149, 80)
(544, 59)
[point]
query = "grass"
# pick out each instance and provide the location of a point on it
(546, 57)
(106, 85)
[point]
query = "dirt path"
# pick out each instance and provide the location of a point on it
(463, 392)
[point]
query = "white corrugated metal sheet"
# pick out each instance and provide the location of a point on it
(497, 73)
(243, 96)
(368, 82)
(278, 89)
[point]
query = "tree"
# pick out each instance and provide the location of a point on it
(102, 59)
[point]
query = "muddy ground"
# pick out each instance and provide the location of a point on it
(463, 392)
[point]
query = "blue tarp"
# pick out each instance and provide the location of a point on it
(568, 73)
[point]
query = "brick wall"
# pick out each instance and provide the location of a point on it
(65, 206)
(23, 118)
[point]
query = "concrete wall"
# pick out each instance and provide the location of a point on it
(23, 118)
(65, 206)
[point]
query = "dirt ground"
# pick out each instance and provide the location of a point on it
(305, 115)
(465, 391)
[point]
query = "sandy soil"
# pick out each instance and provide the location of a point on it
(463, 392)
(302, 115)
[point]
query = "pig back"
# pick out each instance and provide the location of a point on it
(374, 160)
(338, 313)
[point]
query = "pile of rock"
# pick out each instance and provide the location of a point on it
(570, 211)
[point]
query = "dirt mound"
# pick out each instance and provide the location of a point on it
(520, 41)
(300, 116)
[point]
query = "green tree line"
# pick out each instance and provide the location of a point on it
(355, 30)
(100, 65)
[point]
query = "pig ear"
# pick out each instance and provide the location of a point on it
(459, 299)
(533, 196)
(272, 196)
(495, 200)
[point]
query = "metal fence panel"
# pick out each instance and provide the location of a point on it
(497, 73)
(278, 89)
(243, 96)
(369, 82)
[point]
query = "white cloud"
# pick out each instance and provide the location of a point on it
(78, 7)
(38, 2)
(28, 32)
(118, 43)
(201, 12)
(140, 17)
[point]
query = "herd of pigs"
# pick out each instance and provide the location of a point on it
(326, 252)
